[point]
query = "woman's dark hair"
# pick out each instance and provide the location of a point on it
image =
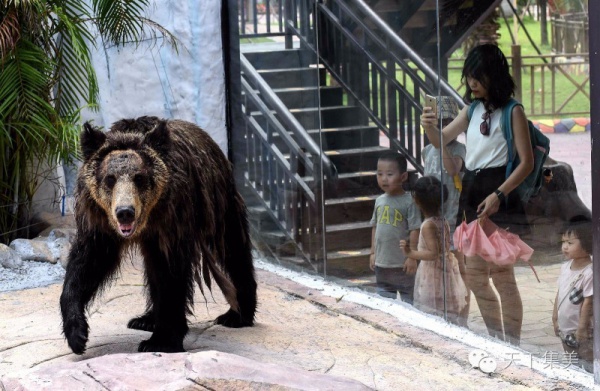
(488, 65)
(581, 228)
(428, 191)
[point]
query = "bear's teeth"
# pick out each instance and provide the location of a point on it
(126, 229)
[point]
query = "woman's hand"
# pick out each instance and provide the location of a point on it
(428, 119)
(489, 206)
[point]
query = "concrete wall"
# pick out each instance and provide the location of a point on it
(188, 85)
(156, 80)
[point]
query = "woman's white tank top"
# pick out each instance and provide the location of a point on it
(485, 151)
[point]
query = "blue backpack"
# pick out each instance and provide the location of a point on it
(532, 184)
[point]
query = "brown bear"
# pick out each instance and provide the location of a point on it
(166, 187)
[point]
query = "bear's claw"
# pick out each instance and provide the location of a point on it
(159, 345)
(76, 333)
(144, 323)
(233, 319)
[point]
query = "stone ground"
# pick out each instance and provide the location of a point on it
(305, 327)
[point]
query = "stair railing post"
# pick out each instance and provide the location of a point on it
(319, 231)
(288, 11)
(295, 214)
(391, 99)
(517, 62)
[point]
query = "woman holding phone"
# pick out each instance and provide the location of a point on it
(487, 193)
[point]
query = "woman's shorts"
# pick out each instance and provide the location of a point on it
(479, 184)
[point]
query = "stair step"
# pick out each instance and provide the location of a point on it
(347, 137)
(356, 159)
(347, 209)
(298, 97)
(353, 184)
(348, 236)
(288, 58)
(331, 117)
(339, 138)
(293, 77)
(361, 183)
(349, 263)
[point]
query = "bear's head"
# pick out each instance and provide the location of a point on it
(125, 173)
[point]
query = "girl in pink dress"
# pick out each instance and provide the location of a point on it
(439, 288)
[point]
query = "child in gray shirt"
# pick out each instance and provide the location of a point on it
(395, 218)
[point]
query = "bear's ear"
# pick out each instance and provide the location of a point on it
(159, 138)
(91, 140)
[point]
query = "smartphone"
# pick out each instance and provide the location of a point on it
(431, 101)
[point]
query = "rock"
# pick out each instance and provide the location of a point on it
(33, 250)
(60, 250)
(556, 205)
(44, 222)
(156, 371)
(9, 258)
(53, 233)
(43, 249)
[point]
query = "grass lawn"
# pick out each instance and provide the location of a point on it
(553, 92)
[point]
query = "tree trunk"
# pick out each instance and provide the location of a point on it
(543, 21)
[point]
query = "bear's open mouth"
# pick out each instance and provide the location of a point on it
(126, 229)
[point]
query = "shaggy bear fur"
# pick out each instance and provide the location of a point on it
(166, 187)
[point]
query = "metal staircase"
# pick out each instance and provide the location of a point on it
(319, 115)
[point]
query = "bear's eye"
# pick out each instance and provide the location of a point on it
(110, 181)
(140, 180)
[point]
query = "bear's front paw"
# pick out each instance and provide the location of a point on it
(233, 319)
(165, 345)
(76, 332)
(144, 323)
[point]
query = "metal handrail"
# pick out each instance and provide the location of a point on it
(396, 51)
(290, 142)
(403, 48)
(288, 119)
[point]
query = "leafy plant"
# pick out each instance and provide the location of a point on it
(46, 79)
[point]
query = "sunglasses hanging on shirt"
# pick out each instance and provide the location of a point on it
(485, 126)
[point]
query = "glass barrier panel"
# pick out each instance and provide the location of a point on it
(277, 156)
(345, 173)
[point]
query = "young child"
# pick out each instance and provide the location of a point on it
(572, 316)
(450, 169)
(395, 217)
(429, 297)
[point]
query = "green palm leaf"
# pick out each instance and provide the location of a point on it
(46, 79)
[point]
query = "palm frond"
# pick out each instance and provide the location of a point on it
(119, 21)
(75, 76)
(123, 22)
(9, 33)
(46, 78)
(25, 109)
(158, 32)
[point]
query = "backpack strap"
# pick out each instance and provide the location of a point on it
(506, 125)
(472, 108)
